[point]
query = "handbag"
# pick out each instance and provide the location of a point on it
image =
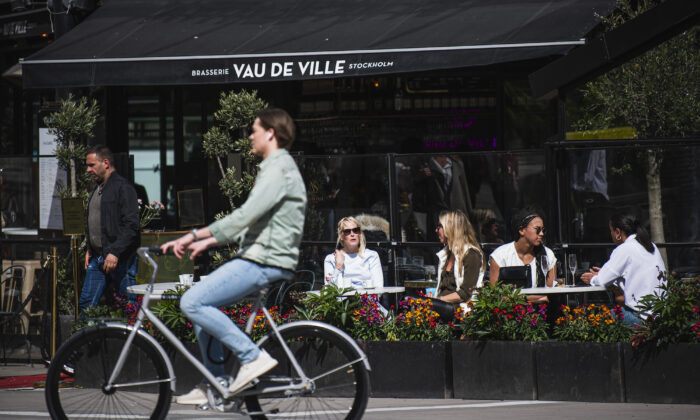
(519, 276)
(444, 309)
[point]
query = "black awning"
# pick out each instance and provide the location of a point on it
(613, 48)
(167, 42)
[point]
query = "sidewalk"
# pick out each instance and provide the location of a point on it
(21, 375)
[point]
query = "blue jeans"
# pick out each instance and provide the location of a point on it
(123, 276)
(230, 283)
(631, 318)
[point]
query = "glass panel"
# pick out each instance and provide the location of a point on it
(144, 145)
(18, 194)
(343, 186)
(338, 187)
(604, 181)
(489, 187)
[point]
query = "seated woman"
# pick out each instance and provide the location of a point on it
(460, 267)
(351, 265)
(635, 265)
(528, 226)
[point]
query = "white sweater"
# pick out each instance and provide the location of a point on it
(635, 270)
(357, 272)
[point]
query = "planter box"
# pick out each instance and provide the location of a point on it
(663, 375)
(495, 370)
(576, 371)
(409, 369)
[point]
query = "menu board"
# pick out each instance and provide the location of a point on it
(169, 266)
(52, 179)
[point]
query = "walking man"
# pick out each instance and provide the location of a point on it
(112, 230)
(267, 229)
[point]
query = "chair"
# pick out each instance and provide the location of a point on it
(303, 281)
(12, 307)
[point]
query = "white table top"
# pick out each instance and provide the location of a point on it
(370, 291)
(158, 289)
(19, 231)
(561, 290)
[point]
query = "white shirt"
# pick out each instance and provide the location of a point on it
(506, 256)
(635, 270)
(357, 272)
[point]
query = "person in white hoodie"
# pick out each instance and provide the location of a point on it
(461, 261)
(635, 266)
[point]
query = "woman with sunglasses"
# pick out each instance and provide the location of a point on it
(526, 249)
(352, 265)
(460, 267)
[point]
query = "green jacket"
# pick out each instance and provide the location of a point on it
(269, 225)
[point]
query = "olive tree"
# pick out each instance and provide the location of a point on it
(229, 135)
(72, 124)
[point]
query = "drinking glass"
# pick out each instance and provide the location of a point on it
(572, 267)
(544, 265)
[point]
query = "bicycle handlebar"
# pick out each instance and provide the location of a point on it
(156, 251)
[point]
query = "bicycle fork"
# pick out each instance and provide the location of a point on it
(306, 383)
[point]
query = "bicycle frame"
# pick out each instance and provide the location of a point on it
(145, 313)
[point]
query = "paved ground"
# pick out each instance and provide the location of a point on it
(29, 404)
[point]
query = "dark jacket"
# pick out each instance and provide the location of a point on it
(119, 218)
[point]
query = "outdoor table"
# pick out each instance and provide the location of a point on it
(562, 290)
(159, 289)
(368, 291)
(419, 284)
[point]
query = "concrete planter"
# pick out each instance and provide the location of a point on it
(409, 369)
(494, 370)
(575, 371)
(662, 375)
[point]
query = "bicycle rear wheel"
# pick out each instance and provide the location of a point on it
(341, 387)
(92, 355)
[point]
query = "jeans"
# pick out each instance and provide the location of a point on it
(123, 276)
(631, 317)
(230, 283)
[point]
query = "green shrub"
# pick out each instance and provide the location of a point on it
(674, 313)
(502, 313)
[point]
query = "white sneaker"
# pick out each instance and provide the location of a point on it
(195, 397)
(252, 370)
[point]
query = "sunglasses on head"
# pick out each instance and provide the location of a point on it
(353, 230)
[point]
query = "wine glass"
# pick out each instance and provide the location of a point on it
(544, 266)
(572, 267)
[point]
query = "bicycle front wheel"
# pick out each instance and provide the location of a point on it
(340, 387)
(142, 389)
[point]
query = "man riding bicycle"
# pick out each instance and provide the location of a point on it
(268, 229)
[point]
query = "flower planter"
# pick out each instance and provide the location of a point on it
(577, 371)
(409, 369)
(663, 375)
(497, 370)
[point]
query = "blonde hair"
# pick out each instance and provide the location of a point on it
(482, 216)
(363, 242)
(459, 235)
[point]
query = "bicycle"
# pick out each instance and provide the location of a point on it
(322, 372)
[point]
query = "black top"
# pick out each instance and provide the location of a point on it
(119, 218)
